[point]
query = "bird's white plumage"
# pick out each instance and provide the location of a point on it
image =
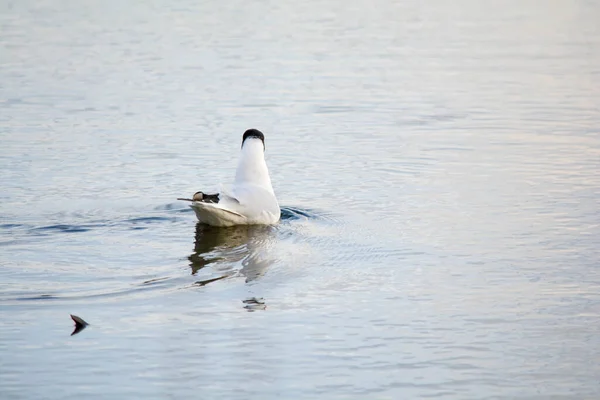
(251, 200)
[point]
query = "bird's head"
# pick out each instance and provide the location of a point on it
(253, 134)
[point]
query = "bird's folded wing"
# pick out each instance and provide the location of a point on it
(219, 206)
(228, 195)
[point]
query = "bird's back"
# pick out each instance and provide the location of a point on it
(252, 200)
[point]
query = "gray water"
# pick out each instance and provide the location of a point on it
(437, 162)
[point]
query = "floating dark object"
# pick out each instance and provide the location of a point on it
(80, 324)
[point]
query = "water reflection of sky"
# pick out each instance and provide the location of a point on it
(450, 152)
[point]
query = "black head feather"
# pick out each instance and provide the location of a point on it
(253, 133)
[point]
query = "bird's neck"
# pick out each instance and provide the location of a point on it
(252, 168)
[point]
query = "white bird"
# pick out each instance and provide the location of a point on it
(252, 200)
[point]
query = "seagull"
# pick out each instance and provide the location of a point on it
(252, 200)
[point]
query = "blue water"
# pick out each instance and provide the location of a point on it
(437, 164)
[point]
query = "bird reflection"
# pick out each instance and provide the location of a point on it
(221, 248)
(252, 304)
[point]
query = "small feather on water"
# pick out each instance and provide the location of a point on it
(80, 324)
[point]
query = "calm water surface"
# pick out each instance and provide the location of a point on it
(438, 163)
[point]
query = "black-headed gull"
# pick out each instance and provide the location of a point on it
(251, 200)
